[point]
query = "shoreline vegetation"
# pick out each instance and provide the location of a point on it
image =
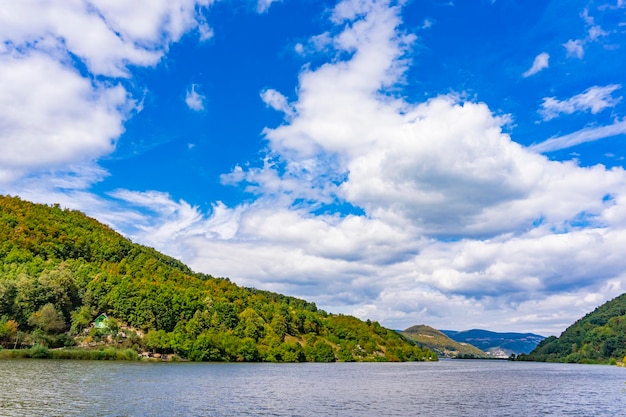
(42, 352)
(112, 354)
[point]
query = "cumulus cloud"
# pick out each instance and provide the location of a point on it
(540, 63)
(447, 219)
(53, 116)
(56, 115)
(106, 35)
(194, 100)
(594, 99)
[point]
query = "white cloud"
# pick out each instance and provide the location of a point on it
(205, 31)
(277, 101)
(427, 24)
(264, 5)
(106, 35)
(596, 32)
(589, 134)
(574, 48)
(589, 20)
(53, 115)
(194, 100)
(594, 99)
(540, 63)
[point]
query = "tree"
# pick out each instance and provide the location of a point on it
(157, 340)
(81, 319)
(345, 352)
(47, 319)
(59, 286)
(253, 325)
(323, 352)
(279, 326)
(8, 332)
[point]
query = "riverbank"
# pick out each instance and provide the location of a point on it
(42, 352)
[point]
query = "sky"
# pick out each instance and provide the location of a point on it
(457, 163)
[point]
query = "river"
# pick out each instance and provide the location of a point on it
(445, 388)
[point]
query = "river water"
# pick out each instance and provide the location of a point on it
(445, 388)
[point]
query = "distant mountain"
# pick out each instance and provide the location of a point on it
(441, 344)
(499, 345)
(598, 337)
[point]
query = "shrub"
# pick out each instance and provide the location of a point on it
(39, 352)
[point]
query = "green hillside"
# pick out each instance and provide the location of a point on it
(599, 337)
(438, 342)
(60, 269)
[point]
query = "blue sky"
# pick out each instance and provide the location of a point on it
(458, 164)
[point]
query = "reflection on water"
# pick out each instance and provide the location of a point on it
(446, 388)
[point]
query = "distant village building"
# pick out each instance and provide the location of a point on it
(101, 322)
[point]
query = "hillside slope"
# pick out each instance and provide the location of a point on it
(60, 269)
(598, 337)
(498, 345)
(444, 346)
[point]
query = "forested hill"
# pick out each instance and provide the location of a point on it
(598, 337)
(442, 344)
(60, 269)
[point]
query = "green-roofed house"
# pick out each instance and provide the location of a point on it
(101, 322)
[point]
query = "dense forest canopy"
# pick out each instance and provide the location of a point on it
(60, 269)
(598, 337)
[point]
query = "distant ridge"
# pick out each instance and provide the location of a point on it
(499, 345)
(441, 344)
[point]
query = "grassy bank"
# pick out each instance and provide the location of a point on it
(42, 352)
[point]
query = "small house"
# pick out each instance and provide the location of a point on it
(101, 322)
